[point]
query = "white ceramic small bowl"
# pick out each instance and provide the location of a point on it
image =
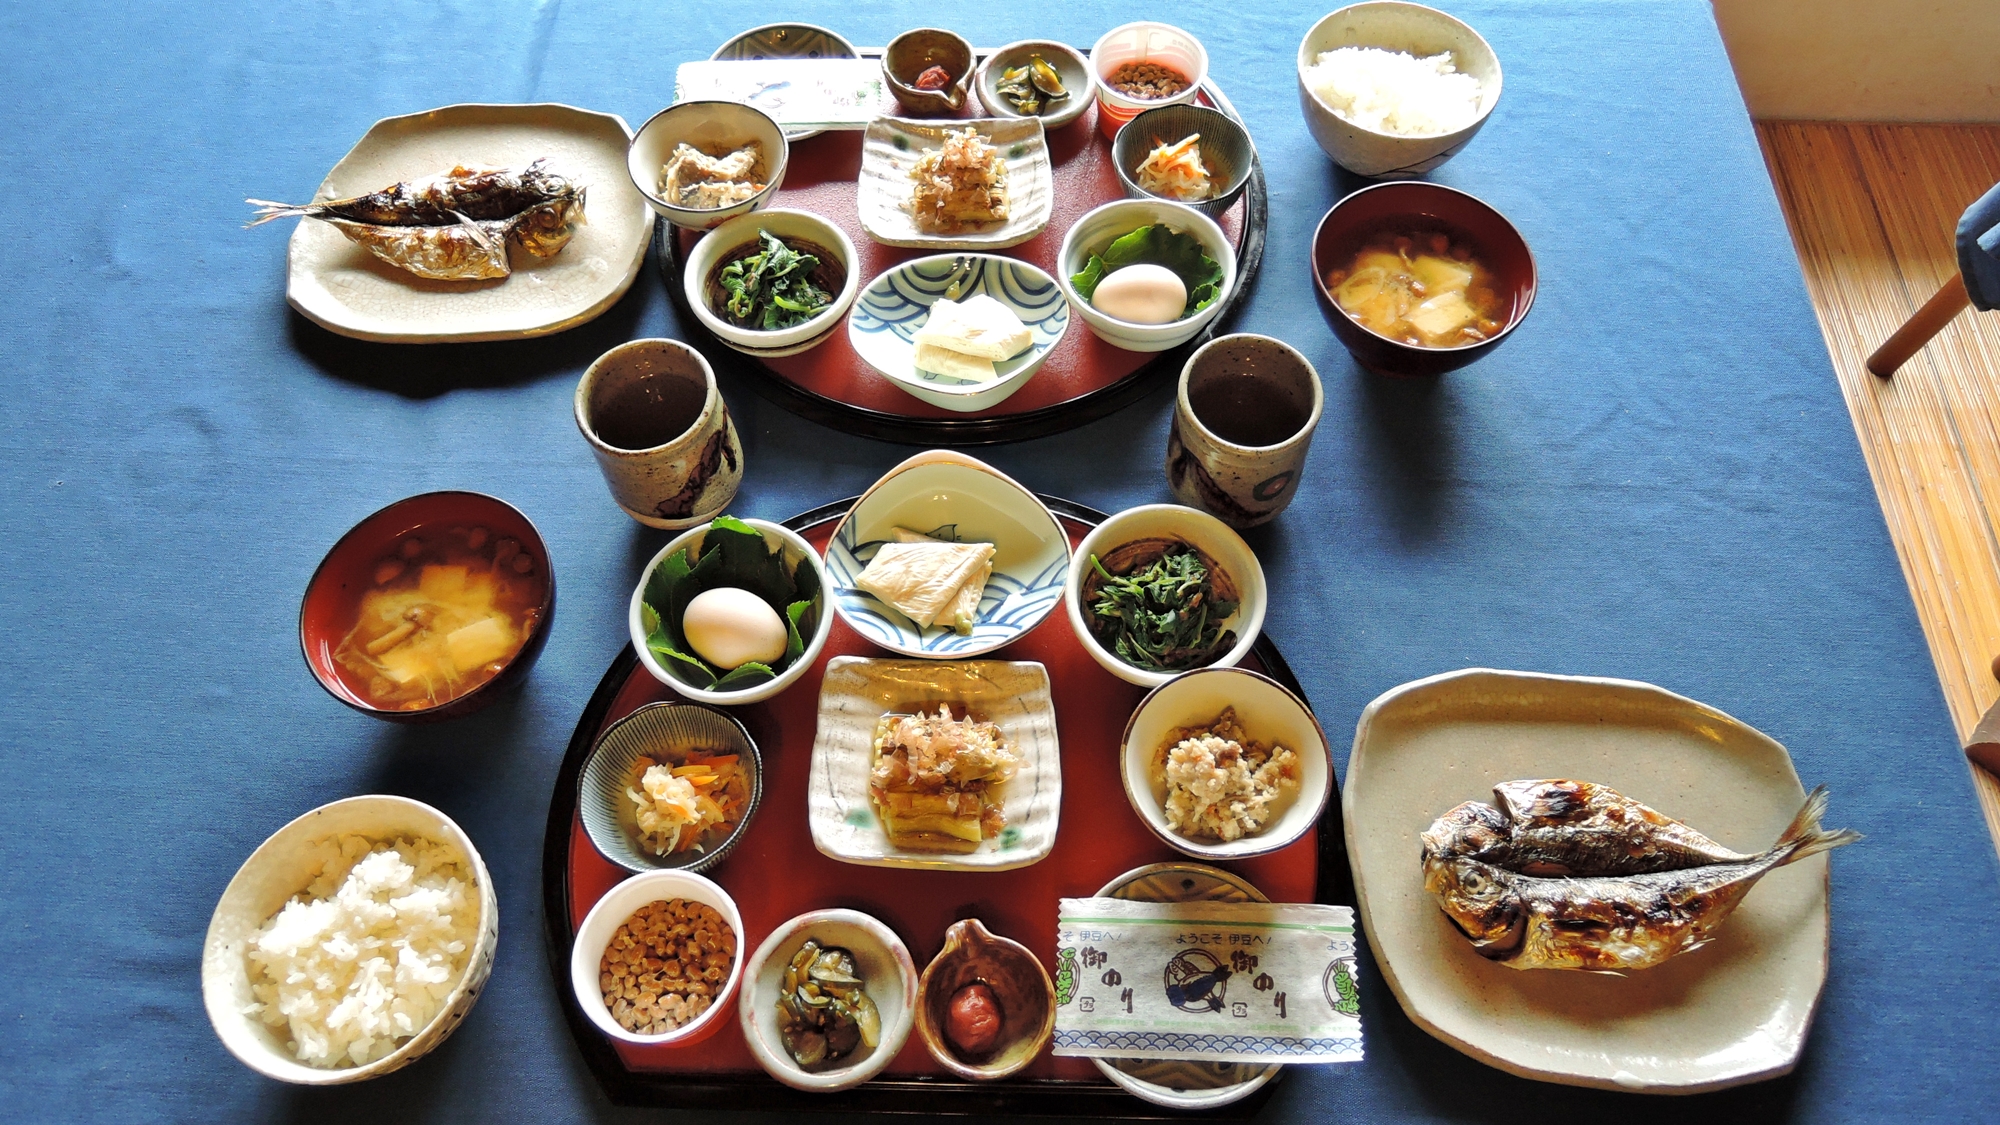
(897, 303)
(1069, 64)
(587, 952)
(944, 490)
(1268, 713)
(1393, 25)
(1144, 41)
(881, 959)
(795, 549)
(742, 231)
(715, 127)
(285, 865)
(1097, 230)
(1213, 538)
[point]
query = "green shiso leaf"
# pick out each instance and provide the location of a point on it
(1160, 245)
(732, 554)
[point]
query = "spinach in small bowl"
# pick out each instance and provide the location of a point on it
(732, 554)
(1160, 605)
(773, 284)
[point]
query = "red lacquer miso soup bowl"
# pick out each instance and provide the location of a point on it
(430, 608)
(1453, 227)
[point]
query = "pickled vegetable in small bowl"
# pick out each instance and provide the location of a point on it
(876, 965)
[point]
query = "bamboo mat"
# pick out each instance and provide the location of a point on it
(1872, 208)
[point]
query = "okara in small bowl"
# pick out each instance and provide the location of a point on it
(1268, 713)
(665, 732)
(1177, 1083)
(1071, 68)
(740, 237)
(912, 53)
(972, 954)
(880, 959)
(1495, 242)
(586, 955)
(1392, 25)
(797, 552)
(896, 304)
(1225, 149)
(1143, 42)
(716, 128)
(1104, 225)
(788, 41)
(285, 865)
(434, 520)
(1136, 537)
(946, 494)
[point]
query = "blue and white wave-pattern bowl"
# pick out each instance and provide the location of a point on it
(888, 313)
(951, 495)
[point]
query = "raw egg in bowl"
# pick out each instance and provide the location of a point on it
(1107, 287)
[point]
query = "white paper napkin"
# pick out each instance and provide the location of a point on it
(1250, 982)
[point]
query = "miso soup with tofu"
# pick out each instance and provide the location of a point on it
(442, 615)
(1421, 282)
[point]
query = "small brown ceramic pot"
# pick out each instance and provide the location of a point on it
(652, 414)
(913, 52)
(972, 954)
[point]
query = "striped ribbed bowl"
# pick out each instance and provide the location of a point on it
(948, 495)
(666, 733)
(887, 314)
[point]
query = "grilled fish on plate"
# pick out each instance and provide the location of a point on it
(1569, 875)
(457, 225)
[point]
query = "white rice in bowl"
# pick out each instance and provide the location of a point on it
(365, 956)
(1221, 785)
(1395, 92)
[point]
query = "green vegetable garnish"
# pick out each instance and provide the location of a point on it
(1164, 617)
(1160, 245)
(772, 288)
(732, 554)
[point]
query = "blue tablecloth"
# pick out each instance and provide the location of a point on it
(1655, 479)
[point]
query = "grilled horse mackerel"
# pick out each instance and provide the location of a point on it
(455, 226)
(1636, 887)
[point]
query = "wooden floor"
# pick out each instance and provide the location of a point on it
(1872, 208)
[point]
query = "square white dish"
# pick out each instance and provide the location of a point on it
(344, 288)
(1735, 1011)
(858, 691)
(891, 146)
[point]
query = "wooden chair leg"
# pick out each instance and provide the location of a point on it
(1917, 331)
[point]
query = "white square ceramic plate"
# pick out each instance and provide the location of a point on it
(1734, 1011)
(891, 146)
(341, 286)
(857, 692)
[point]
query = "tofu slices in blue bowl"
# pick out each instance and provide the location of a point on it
(961, 331)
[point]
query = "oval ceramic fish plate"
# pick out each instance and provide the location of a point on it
(1734, 1011)
(342, 287)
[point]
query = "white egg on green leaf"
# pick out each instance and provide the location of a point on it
(1143, 293)
(731, 627)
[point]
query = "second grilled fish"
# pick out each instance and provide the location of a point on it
(1564, 827)
(1612, 922)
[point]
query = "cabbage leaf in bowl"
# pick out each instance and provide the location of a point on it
(1160, 245)
(732, 554)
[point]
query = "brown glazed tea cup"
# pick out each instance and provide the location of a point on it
(662, 435)
(912, 53)
(1243, 422)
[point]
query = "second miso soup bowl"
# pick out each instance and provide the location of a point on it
(1498, 245)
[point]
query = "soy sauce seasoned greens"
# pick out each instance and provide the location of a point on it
(775, 283)
(825, 1015)
(1160, 605)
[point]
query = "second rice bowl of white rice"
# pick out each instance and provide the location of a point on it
(351, 942)
(1376, 115)
(1268, 714)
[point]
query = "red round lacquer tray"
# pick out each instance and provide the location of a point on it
(775, 874)
(1083, 380)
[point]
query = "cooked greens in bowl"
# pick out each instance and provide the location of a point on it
(776, 283)
(1160, 605)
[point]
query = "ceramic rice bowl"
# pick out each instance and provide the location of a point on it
(1394, 26)
(284, 865)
